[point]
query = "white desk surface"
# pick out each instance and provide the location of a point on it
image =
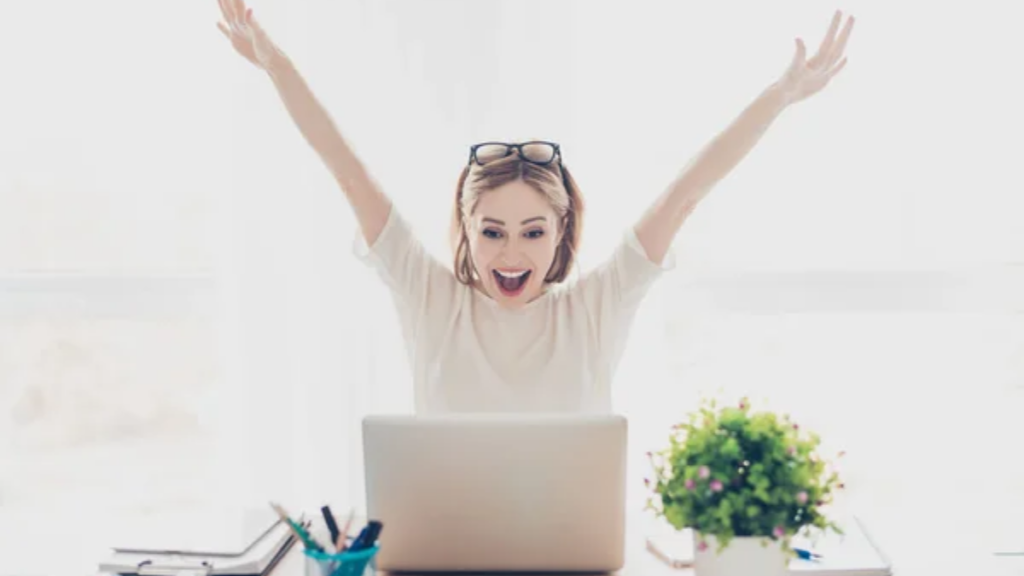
(929, 560)
(638, 562)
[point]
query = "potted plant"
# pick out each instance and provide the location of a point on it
(745, 483)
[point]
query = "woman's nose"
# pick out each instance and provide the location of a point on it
(510, 253)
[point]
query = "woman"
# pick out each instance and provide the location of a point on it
(503, 331)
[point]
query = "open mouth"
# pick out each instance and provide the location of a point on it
(511, 284)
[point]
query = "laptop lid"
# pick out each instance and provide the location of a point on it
(497, 492)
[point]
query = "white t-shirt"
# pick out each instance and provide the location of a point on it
(558, 353)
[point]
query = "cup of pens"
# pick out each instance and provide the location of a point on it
(336, 554)
(346, 563)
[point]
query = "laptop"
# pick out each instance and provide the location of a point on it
(497, 492)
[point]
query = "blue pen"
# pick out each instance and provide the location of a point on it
(368, 537)
(806, 554)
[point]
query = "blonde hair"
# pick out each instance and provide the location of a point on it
(555, 183)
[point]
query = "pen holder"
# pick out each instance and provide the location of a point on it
(342, 564)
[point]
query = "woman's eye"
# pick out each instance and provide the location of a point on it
(533, 234)
(491, 233)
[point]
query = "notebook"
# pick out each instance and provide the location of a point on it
(258, 558)
(223, 531)
(850, 554)
(853, 553)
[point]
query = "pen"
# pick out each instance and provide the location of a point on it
(368, 536)
(806, 554)
(331, 524)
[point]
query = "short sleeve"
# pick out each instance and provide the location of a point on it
(613, 292)
(417, 281)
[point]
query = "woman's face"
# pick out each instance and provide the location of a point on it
(513, 234)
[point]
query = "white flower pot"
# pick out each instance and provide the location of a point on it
(744, 556)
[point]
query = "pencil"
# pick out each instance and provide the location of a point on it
(306, 537)
(341, 545)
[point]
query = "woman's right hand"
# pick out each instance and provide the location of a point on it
(246, 35)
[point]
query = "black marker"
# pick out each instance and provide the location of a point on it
(331, 524)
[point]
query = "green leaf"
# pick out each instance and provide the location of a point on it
(674, 516)
(750, 453)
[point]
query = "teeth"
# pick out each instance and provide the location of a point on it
(512, 274)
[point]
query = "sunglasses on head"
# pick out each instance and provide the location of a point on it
(535, 152)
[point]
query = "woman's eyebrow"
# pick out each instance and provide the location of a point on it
(502, 222)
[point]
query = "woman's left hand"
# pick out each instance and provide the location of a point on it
(804, 77)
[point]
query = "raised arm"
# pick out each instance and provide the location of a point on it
(368, 201)
(658, 226)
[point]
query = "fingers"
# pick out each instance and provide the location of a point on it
(239, 8)
(228, 10)
(232, 17)
(224, 30)
(835, 70)
(224, 11)
(840, 45)
(830, 36)
(824, 49)
(799, 56)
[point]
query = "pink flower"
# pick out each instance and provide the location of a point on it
(702, 546)
(647, 482)
(704, 472)
(801, 497)
(796, 426)
(716, 486)
(690, 484)
(779, 532)
(743, 405)
(791, 450)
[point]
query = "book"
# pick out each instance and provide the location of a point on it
(853, 553)
(255, 560)
(220, 531)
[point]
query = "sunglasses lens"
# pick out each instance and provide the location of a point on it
(491, 152)
(542, 153)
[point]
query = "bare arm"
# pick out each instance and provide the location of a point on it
(658, 226)
(368, 201)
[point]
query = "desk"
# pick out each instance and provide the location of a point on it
(639, 562)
